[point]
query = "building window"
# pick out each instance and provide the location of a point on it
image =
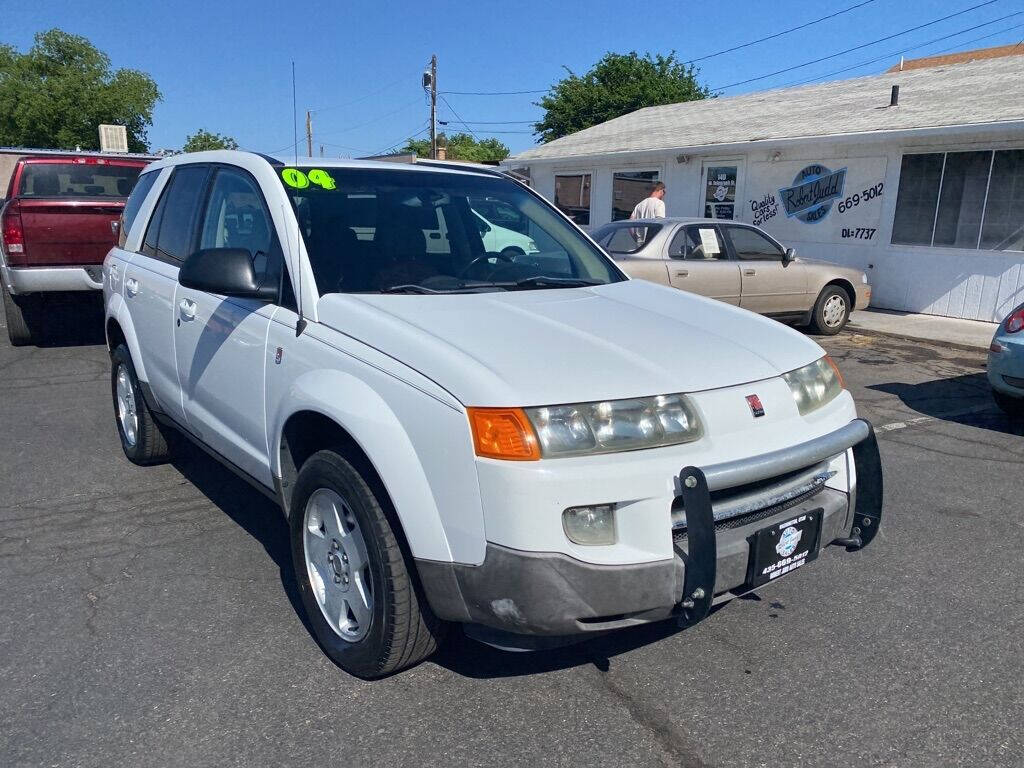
(572, 196)
(628, 189)
(1003, 229)
(961, 200)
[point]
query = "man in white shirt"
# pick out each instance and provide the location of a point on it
(652, 207)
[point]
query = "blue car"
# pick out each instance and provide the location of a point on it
(1006, 364)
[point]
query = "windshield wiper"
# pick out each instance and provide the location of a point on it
(542, 281)
(410, 288)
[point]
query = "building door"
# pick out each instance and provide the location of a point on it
(722, 185)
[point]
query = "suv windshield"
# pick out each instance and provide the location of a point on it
(396, 231)
(77, 180)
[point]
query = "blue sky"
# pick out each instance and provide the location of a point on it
(226, 65)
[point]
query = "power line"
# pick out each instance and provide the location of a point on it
(366, 96)
(914, 48)
(691, 61)
(854, 48)
(496, 122)
(424, 128)
(375, 119)
(779, 34)
(495, 93)
(448, 104)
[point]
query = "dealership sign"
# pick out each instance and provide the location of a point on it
(814, 190)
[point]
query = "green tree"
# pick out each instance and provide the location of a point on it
(57, 94)
(203, 140)
(617, 85)
(461, 146)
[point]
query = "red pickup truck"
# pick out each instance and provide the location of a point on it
(58, 221)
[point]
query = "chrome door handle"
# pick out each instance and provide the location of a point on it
(131, 286)
(749, 272)
(187, 307)
(682, 272)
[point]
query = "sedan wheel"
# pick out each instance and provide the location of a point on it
(831, 311)
(834, 311)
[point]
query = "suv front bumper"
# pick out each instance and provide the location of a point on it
(553, 594)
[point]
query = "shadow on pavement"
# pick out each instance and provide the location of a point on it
(248, 508)
(69, 320)
(469, 658)
(965, 399)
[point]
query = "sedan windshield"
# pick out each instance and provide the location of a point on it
(427, 232)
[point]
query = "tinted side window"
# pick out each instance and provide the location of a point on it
(236, 217)
(153, 228)
(697, 243)
(750, 244)
(178, 224)
(134, 203)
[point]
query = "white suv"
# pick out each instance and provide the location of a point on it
(531, 445)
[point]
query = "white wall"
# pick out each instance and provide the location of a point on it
(973, 284)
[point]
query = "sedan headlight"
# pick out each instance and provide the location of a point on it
(814, 385)
(614, 425)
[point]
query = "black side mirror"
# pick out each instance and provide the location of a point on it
(788, 257)
(227, 271)
(483, 226)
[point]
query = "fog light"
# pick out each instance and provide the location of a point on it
(590, 525)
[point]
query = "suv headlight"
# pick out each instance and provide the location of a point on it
(614, 425)
(814, 385)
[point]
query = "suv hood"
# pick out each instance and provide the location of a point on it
(567, 345)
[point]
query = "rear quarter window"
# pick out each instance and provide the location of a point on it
(135, 200)
(77, 180)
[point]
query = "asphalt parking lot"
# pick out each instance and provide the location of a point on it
(147, 616)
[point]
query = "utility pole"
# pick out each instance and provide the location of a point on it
(433, 107)
(309, 133)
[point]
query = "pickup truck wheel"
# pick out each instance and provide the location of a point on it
(18, 329)
(359, 597)
(141, 438)
(831, 311)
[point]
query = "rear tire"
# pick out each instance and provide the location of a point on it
(15, 310)
(359, 596)
(142, 440)
(1011, 406)
(831, 311)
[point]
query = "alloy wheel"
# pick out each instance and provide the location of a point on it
(126, 411)
(337, 564)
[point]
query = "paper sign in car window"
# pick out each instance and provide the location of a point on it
(709, 239)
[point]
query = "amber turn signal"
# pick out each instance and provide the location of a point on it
(503, 433)
(832, 363)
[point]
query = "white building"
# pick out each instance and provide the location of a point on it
(926, 196)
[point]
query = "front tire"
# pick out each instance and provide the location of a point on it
(141, 439)
(359, 596)
(15, 310)
(831, 311)
(1011, 406)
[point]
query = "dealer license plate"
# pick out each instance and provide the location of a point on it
(785, 547)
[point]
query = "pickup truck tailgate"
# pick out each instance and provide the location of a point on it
(66, 233)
